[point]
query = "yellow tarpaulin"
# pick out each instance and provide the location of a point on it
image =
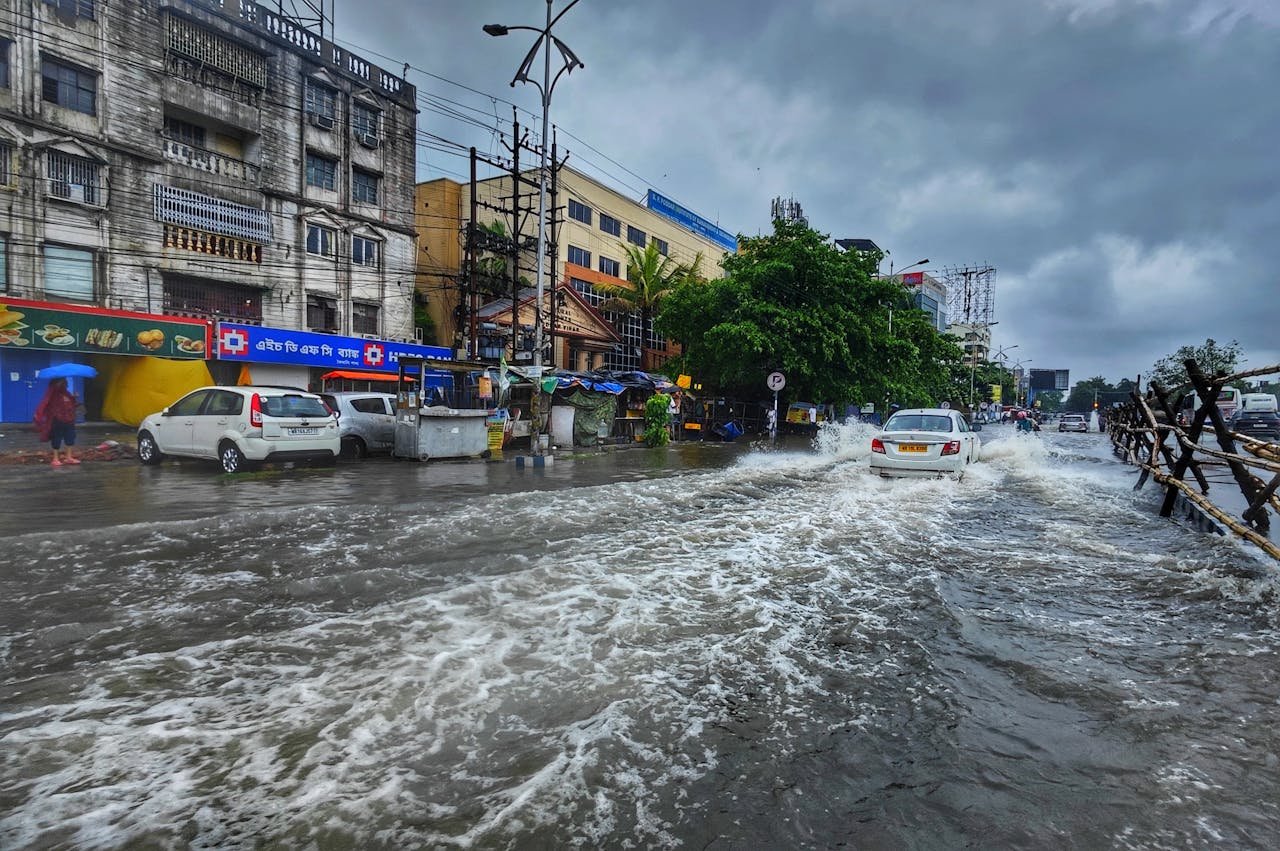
(133, 387)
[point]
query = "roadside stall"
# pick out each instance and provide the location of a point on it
(428, 425)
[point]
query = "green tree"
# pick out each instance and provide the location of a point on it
(1085, 392)
(1170, 371)
(792, 301)
(652, 277)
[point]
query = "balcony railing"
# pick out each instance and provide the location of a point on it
(210, 161)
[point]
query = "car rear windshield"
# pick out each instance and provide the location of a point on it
(918, 422)
(293, 406)
(1073, 418)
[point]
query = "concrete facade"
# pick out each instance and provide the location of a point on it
(443, 208)
(208, 159)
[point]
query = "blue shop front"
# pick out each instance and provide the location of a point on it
(256, 354)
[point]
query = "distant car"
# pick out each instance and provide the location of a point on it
(924, 442)
(241, 426)
(366, 421)
(1073, 422)
(1264, 424)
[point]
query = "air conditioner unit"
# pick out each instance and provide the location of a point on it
(324, 122)
(369, 140)
(75, 191)
(369, 337)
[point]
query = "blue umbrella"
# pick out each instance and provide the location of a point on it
(67, 370)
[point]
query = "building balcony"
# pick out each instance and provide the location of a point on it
(210, 161)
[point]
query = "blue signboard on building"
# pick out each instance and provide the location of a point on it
(257, 344)
(691, 221)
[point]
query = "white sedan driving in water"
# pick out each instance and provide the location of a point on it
(924, 442)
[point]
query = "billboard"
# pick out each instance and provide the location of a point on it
(260, 344)
(1050, 379)
(690, 221)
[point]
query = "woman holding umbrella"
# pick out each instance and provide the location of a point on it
(56, 420)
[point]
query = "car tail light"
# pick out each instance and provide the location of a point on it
(877, 445)
(255, 411)
(952, 448)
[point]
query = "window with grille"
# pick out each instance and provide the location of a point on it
(4, 62)
(322, 313)
(68, 272)
(321, 241)
(74, 8)
(184, 132)
(321, 100)
(74, 178)
(194, 297)
(663, 248)
(4, 262)
(579, 212)
(610, 225)
(7, 174)
(580, 256)
(364, 251)
(609, 267)
(364, 318)
(322, 172)
(364, 121)
(189, 209)
(636, 236)
(69, 87)
(211, 51)
(364, 186)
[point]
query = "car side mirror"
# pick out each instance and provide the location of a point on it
(977, 426)
(165, 412)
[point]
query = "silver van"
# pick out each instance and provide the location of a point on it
(366, 421)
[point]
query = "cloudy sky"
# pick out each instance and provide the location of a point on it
(1117, 161)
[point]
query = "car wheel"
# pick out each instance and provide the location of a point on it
(148, 450)
(354, 448)
(231, 458)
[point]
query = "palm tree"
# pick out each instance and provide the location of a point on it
(651, 276)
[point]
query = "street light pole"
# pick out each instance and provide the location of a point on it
(545, 40)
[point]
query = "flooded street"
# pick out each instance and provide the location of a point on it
(701, 647)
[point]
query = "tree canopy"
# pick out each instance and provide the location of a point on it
(792, 301)
(1169, 372)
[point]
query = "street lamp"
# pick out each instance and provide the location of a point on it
(548, 84)
(905, 268)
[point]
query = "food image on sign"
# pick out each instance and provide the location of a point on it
(187, 344)
(56, 335)
(11, 327)
(103, 338)
(152, 339)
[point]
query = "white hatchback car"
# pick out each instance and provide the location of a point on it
(925, 442)
(241, 426)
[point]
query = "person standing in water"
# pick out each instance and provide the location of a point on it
(56, 420)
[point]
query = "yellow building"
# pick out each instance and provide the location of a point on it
(593, 223)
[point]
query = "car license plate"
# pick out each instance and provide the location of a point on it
(912, 447)
(304, 431)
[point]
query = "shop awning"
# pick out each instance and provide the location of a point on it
(356, 375)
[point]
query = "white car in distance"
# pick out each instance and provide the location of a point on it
(240, 427)
(924, 442)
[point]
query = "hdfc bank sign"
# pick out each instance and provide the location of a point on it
(257, 344)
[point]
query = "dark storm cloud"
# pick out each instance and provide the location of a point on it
(1114, 159)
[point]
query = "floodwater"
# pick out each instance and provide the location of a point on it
(700, 647)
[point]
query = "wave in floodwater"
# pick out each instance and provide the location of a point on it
(787, 651)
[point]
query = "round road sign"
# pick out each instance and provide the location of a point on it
(945, 405)
(776, 381)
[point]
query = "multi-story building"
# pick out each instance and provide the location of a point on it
(205, 160)
(974, 339)
(929, 294)
(594, 222)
